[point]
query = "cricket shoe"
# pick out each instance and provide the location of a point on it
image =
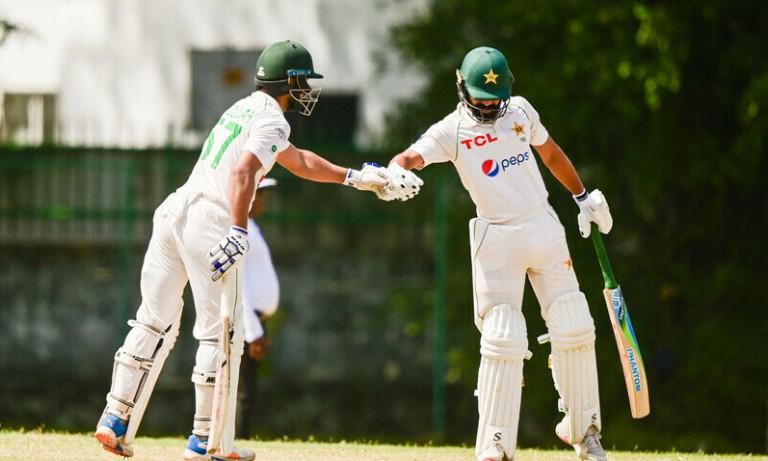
(110, 432)
(493, 453)
(589, 448)
(197, 450)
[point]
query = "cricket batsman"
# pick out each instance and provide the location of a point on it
(200, 235)
(516, 233)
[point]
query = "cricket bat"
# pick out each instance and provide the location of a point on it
(223, 372)
(626, 341)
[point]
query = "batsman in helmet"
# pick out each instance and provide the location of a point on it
(517, 235)
(200, 236)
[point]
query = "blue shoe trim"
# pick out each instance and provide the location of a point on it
(198, 446)
(117, 425)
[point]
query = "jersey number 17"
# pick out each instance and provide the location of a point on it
(227, 132)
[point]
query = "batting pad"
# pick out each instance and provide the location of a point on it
(503, 346)
(204, 378)
(574, 366)
(137, 366)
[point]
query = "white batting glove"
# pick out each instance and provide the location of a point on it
(371, 177)
(404, 184)
(229, 252)
(593, 209)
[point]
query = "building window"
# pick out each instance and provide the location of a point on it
(27, 118)
(219, 78)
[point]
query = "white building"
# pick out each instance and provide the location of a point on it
(141, 73)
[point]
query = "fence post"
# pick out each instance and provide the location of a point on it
(126, 234)
(439, 327)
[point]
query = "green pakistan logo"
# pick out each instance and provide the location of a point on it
(274, 148)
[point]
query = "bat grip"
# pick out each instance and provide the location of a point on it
(228, 294)
(602, 258)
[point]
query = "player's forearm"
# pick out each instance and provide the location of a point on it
(315, 168)
(560, 166)
(562, 169)
(241, 188)
(409, 160)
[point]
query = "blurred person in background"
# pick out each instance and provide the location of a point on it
(261, 295)
(187, 246)
(516, 233)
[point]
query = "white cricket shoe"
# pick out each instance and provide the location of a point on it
(589, 448)
(493, 452)
(196, 450)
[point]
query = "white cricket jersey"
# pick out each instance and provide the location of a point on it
(495, 162)
(261, 289)
(255, 124)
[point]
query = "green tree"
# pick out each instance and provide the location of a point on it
(664, 106)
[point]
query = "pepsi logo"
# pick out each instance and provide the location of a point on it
(491, 168)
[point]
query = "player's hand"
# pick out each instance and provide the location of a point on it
(593, 209)
(229, 252)
(257, 349)
(371, 177)
(403, 184)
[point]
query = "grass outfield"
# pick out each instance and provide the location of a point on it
(23, 446)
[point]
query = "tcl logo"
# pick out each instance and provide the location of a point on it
(491, 167)
(479, 140)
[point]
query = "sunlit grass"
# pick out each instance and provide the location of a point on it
(51, 446)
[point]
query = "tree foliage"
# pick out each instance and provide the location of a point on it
(663, 106)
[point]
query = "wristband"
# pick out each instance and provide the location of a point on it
(581, 197)
(240, 229)
(349, 179)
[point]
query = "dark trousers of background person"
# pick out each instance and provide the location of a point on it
(248, 397)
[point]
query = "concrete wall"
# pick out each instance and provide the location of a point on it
(121, 67)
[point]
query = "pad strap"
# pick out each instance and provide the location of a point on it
(139, 363)
(204, 377)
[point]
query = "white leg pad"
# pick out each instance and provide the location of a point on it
(503, 347)
(137, 366)
(204, 378)
(574, 366)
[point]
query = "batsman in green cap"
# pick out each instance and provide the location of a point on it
(200, 237)
(517, 235)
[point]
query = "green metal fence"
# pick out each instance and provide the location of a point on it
(81, 218)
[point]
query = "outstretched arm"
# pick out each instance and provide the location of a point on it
(409, 160)
(560, 165)
(308, 165)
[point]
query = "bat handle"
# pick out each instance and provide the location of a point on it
(602, 257)
(228, 294)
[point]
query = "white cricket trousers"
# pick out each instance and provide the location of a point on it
(503, 254)
(185, 228)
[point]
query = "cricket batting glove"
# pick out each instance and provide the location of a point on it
(371, 177)
(593, 209)
(229, 252)
(403, 184)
